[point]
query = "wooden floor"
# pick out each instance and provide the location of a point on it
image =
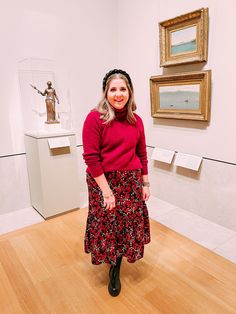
(43, 269)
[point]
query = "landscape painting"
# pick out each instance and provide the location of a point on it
(184, 40)
(180, 97)
(184, 96)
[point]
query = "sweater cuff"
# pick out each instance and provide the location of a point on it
(145, 170)
(95, 171)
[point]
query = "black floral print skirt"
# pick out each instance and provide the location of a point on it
(123, 230)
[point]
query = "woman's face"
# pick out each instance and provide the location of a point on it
(118, 93)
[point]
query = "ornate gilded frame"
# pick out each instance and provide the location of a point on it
(181, 96)
(184, 27)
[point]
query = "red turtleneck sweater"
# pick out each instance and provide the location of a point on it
(118, 145)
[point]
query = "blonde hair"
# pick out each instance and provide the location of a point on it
(106, 110)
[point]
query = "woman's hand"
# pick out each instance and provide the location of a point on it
(146, 193)
(108, 198)
(109, 201)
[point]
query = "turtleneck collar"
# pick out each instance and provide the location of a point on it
(121, 114)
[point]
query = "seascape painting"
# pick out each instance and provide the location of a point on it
(180, 97)
(184, 40)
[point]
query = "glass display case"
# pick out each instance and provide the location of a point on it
(45, 97)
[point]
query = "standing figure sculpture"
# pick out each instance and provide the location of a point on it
(50, 100)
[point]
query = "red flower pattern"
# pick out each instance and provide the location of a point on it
(121, 231)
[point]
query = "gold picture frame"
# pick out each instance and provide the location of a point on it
(181, 96)
(184, 39)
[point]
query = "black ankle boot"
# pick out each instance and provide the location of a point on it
(114, 286)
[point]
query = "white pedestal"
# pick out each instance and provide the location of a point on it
(53, 174)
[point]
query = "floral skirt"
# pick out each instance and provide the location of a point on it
(122, 231)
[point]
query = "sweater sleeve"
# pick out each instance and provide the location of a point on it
(91, 136)
(141, 149)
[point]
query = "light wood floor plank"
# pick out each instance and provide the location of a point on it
(6, 294)
(29, 258)
(43, 269)
(25, 292)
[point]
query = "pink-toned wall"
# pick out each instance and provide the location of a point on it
(80, 36)
(210, 193)
(86, 39)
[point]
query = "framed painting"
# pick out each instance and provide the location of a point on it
(184, 39)
(181, 96)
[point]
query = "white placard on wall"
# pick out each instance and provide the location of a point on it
(56, 142)
(188, 161)
(163, 155)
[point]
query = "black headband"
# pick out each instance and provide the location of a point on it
(116, 71)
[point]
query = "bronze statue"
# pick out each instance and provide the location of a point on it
(50, 100)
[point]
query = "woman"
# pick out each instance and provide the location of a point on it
(117, 178)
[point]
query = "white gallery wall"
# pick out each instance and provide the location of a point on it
(80, 37)
(138, 51)
(210, 193)
(74, 34)
(86, 39)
